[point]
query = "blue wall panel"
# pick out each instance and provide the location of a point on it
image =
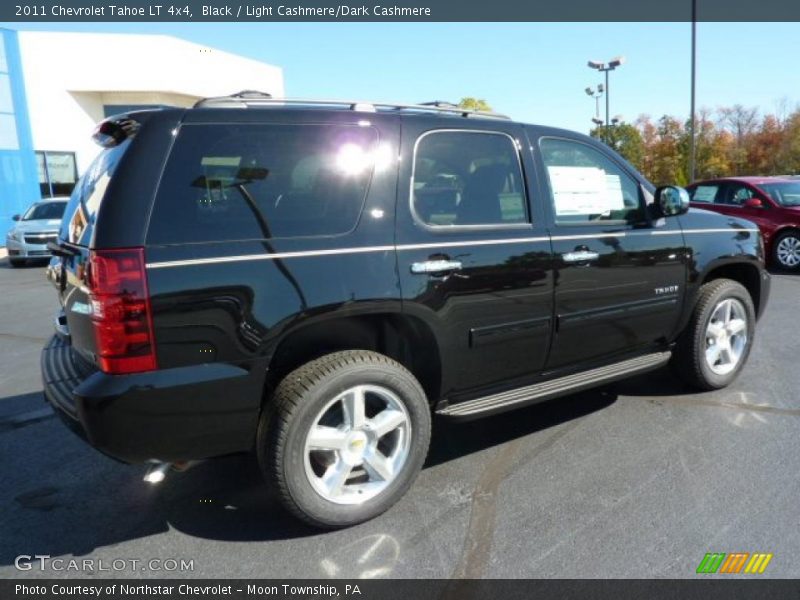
(19, 179)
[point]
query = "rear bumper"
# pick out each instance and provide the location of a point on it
(168, 415)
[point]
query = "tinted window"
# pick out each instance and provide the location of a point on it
(736, 194)
(468, 178)
(57, 173)
(785, 194)
(587, 186)
(237, 182)
(48, 210)
(704, 193)
(84, 203)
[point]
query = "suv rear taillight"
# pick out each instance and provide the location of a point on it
(121, 315)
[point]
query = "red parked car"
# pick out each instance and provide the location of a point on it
(773, 203)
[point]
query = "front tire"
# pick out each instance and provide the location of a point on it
(715, 345)
(15, 263)
(344, 437)
(786, 251)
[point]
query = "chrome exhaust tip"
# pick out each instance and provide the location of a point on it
(156, 473)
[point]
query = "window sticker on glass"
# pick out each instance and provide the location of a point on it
(614, 193)
(704, 193)
(585, 191)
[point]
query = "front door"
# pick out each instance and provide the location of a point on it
(474, 259)
(620, 277)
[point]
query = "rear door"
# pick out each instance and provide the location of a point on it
(473, 254)
(620, 277)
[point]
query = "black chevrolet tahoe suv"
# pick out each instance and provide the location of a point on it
(312, 281)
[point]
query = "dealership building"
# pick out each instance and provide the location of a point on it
(54, 88)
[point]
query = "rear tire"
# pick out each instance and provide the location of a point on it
(343, 437)
(786, 251)
(715, 345)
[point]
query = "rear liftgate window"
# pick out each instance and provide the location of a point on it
(79, 216)
(242, 182)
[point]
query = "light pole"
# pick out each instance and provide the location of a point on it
(606, 68)
(692, 142)
(596, 94)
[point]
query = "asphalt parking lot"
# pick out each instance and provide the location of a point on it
(638, 479)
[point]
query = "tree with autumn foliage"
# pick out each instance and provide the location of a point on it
(729, 141)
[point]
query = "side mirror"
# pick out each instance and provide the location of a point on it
(753, 203)
(672, 200)
(15, 218)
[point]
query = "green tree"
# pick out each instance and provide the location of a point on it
(471, 103)
(625, 139)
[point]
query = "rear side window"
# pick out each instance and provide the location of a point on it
(241, 182)
(467, 178)
(704, 193)
(79, 216)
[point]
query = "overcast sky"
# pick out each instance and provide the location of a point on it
(535, 72)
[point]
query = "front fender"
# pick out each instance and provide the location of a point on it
(722, 246)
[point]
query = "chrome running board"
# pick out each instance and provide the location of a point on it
(554, 387)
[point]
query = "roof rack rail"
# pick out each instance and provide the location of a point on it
(248, 98)
(440, 103)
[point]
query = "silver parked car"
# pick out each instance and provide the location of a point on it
(37, 226)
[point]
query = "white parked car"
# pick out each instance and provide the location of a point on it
(33, 229)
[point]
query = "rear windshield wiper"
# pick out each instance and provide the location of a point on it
(61, 250)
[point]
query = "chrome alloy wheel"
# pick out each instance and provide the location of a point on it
(788, 251)
(357, 444)
(726, 336)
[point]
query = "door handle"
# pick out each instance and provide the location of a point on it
(579, 256)
(435, 266)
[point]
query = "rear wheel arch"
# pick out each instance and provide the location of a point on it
(395, 335)
(344, 438)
